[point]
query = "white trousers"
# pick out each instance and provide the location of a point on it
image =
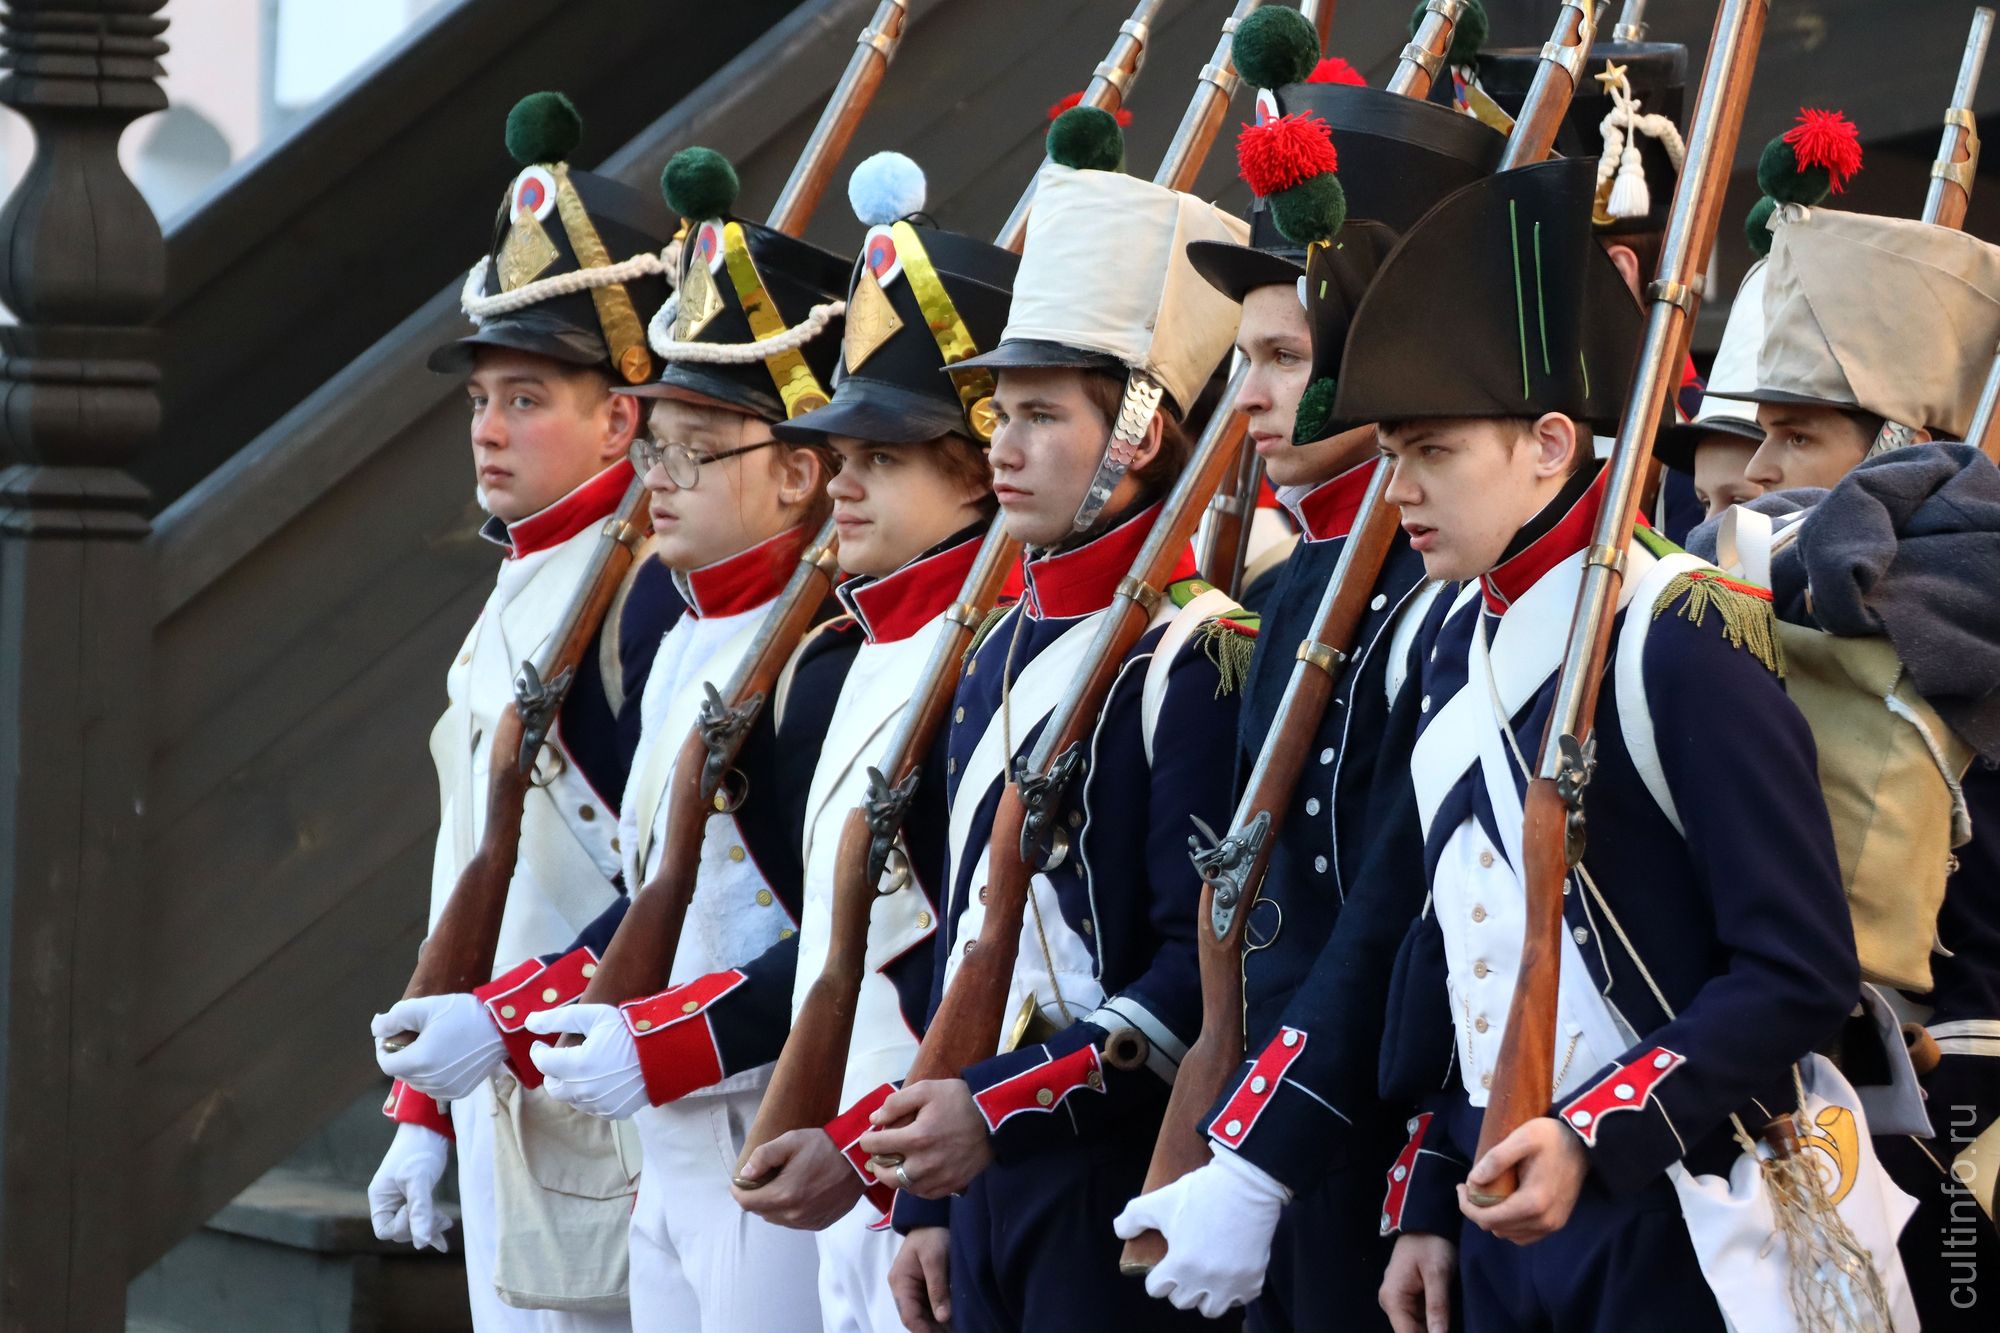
(854, 1274)
(472, 1121)
(700, 1264)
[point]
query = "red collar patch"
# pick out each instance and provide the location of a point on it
(895, 606)
(746, 580)
(1329, 509)
(1082, 581)
(1515, 575)
(587, 505)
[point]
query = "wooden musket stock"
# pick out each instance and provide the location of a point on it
(1233, 868)
(805, 1086)
(1242, 856)
(1552, 834)
(1958, 153)
(966, 1027)
(458, 954)
(640, 957)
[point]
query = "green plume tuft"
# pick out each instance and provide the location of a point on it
(1087, 139)
(1757, 228)
(1468, 35)
(1315, 411)
(543, 128)
(1312, 210)
(699, 183)
(1275, 46)
(1780, 176)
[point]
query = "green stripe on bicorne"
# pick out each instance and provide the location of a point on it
(1520, 309)
(1541, 306)
(1584, 366)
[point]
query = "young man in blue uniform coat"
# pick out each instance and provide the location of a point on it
(1706, 950)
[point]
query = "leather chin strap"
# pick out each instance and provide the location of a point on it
(1135, 414)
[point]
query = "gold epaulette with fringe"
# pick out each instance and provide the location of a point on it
(1227, 639)
(1749, 620)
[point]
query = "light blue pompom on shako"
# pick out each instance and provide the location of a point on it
(886, 187)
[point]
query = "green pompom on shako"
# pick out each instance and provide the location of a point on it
(543, 128)
(1087, 139)
(1468, 35)
(699, 183)
(1275, 46)
(1757, 226)
(1315, 410)
(1311, 211)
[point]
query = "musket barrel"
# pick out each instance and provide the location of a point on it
(1563, 58)
(874, 49)
(1631, 25)
(1985, 430)
(1320, 13)
(1107, 90)
(1673, 299)
(1523, 1070)
(1423, 57)
(1952, 174)
(1197, 130)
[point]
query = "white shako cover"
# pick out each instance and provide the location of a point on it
(1105, 268)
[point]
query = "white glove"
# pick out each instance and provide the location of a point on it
(1218, 1222)
(600, 1075)
(399, 1197)
(456, 1048)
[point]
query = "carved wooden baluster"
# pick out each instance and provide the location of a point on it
(81, 268)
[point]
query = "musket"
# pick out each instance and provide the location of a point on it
(1233, 867)
(804, 1090)
(641, 953)
(458, 954)
(1109, 85)
(1984, 433)
(1958, 153)
(966, 1026)
(1423, 56)
(1631, 25)
(1553, 828)
(1224, 546)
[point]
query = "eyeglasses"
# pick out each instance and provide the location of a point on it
(682, 461)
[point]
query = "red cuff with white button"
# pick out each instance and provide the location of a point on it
(678, 1053)
(1254, 1093)
(1628, 1087)
(1398, 1195)
(533, 986)
(846, 1130)
(407, 1106)
(1042, 1088)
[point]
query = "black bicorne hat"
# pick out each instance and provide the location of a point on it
(1498, 303)
(555, 222)
(919, 300)
(742, 283)
(1656, 74)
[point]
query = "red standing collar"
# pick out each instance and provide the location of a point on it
(895, 606)
(584, 507)
(743, 581)
(1505, 584)
(1084, 580)
(1328, 510)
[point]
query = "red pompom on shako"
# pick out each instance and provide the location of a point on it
(1280, 153)
(1826, 139)
(1122, 116)
(1335, 70)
